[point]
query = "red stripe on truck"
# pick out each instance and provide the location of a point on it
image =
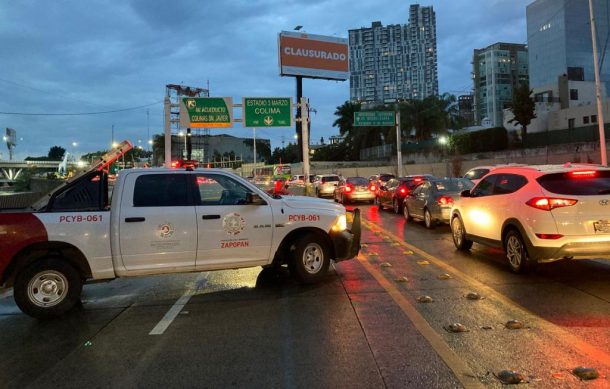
(18, 230)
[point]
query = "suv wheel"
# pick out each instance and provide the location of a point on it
(516, 252)
(458, 233)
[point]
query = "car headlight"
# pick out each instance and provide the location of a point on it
(340, 224)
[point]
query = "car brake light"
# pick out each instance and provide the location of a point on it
(549, 236)
(175, 164)
(583, 174)
(348, 188)
(550, 203)
(372, 188)
(403, 190)
(444, 200)
(417, 180)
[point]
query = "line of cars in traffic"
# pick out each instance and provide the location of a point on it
(536, 213)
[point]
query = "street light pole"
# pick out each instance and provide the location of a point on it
(598, 90)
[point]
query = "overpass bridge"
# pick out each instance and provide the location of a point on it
(11, 170)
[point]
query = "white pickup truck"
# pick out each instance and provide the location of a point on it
(163, 221)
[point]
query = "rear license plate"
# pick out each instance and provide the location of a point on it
(602, 226)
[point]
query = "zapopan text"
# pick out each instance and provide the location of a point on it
(80, 218)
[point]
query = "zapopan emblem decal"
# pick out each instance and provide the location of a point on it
(233, 223)
(166, 230)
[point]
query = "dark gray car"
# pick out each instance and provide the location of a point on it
(432, 200)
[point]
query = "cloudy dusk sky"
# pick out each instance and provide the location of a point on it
(77, 57)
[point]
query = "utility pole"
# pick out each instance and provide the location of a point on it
(598, 90)
(398, 144)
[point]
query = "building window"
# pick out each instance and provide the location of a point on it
(593, 118)
(585, 120)
(573, 94)
(570, 124)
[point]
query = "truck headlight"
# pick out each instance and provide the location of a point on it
(340, 224)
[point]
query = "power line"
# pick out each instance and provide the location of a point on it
(80, 113)
(50, 93)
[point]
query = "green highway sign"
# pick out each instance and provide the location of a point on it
(267, 111)
(206, 112)
(374, 118)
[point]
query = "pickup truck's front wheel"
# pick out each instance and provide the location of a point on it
(311, 259)
(47, 288)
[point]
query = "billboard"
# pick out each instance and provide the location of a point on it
(313, 56)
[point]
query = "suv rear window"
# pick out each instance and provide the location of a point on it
(565, 184)
(358, 181)
(385, 177)
(330, 179)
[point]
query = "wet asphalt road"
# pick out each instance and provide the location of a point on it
(360, 328)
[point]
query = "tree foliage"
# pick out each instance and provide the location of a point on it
(523, 108)
(287, 154)
(263, 149)
(56, 153)
(431, 116)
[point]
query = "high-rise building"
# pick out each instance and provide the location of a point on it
(394, 62)
(559, 41)
(466, 108)
(497, 71)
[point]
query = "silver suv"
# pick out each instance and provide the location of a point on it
(537, 213)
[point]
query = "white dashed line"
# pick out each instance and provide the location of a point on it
(169, 317)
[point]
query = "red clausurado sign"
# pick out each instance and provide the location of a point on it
(313, 56)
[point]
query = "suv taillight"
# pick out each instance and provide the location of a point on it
(349, 188)
(372, 188)
(403, 190)
(550, 203)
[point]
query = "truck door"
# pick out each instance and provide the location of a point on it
(229, 230)
(157, 225)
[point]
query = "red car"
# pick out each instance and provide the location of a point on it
(393, 193)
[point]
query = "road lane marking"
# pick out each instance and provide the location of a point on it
(569, 340)
(461, 370)
(173, 312)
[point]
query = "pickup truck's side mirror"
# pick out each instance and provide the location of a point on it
(254, 199)
(465, 193)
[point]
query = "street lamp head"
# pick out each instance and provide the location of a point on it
(180, 133)
(150, 142)
(115, 145)
(443, 140)
(74, 144)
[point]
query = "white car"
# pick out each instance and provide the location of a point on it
(537, 213)
(325, 185)
(475, 174)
